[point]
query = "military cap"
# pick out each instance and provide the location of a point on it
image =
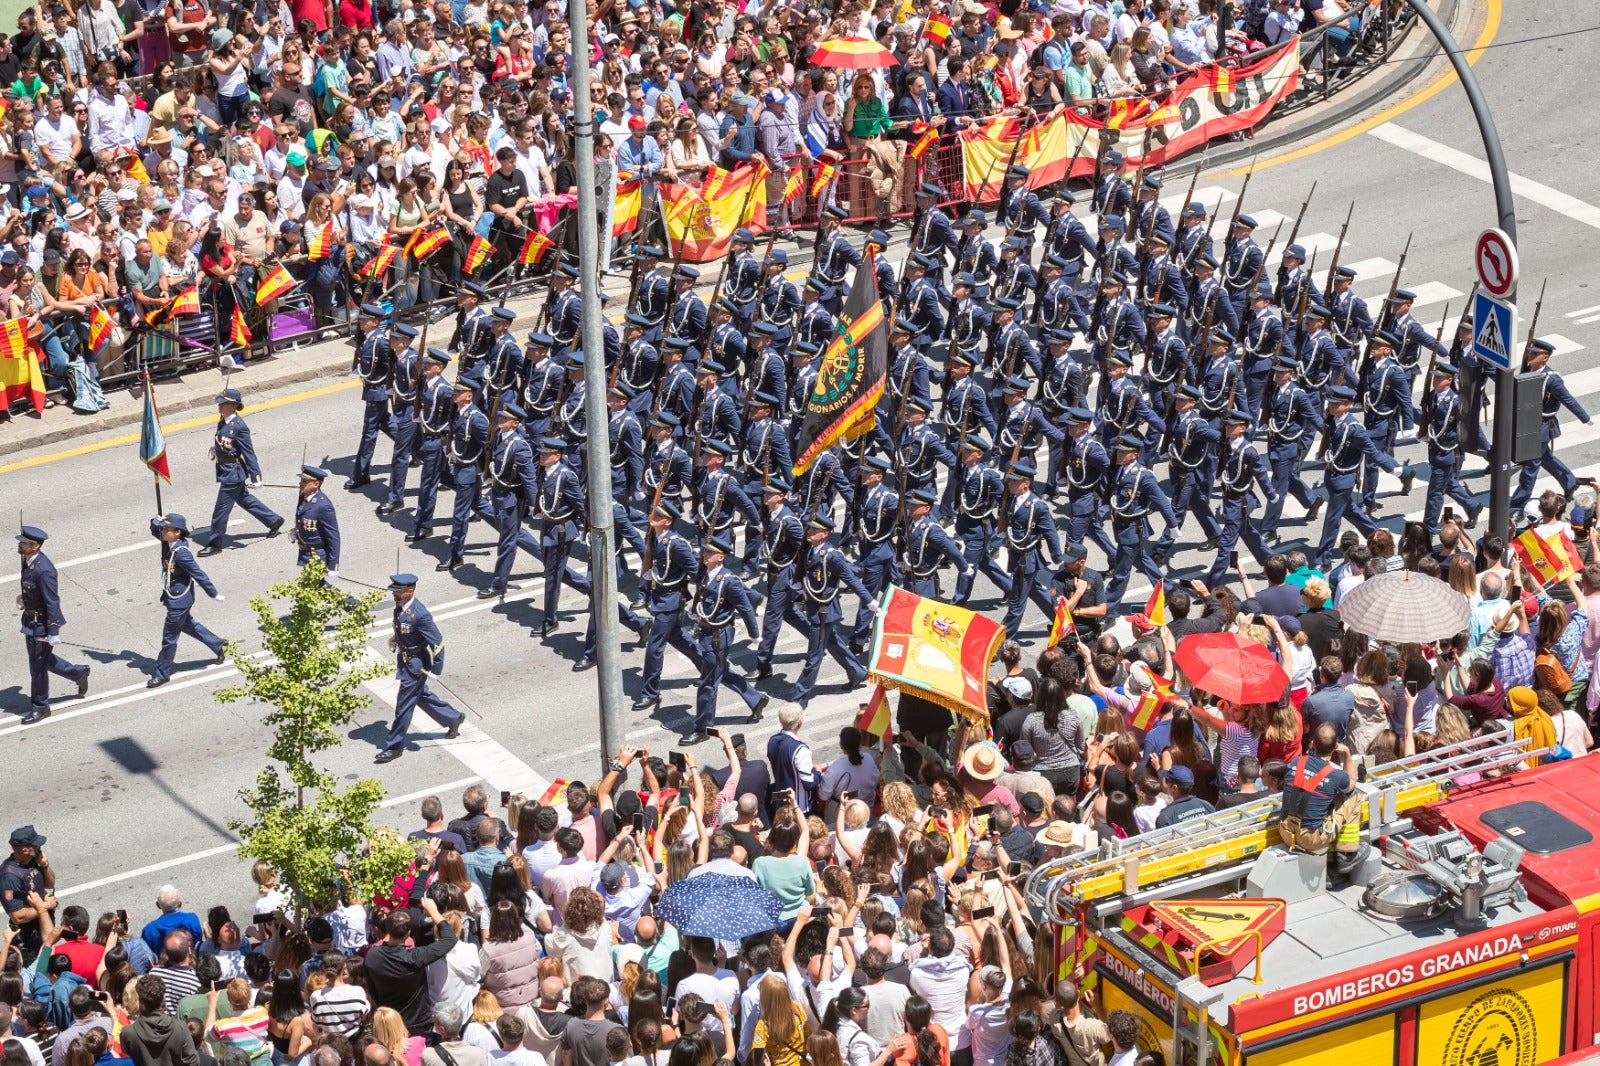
(1064, 198)
(718, 542)
(175, 521)
(1073, 553)
(474, 289)
(1015, 243)
(372, 311)
(1316, 310)
(1111, 222)
(669, 509)
(1058, 336)
(744, 236)
(1285, 364)
(512, 411)
(928, 188)
(1196, 209)
(1007, 303)
(1220, 335)
(902, 324)
(722, 303)
(665, 420)
(549, 444)
(1447, 369)
(675, 344)
(229, 396)
(1160, 238)
(1295, 251)
(1127, 443)
(1055, 262)
(1237, 417)
(775, 485)
(1402, 296)
(923, 496)
(1080, 415)
(1018, 171)
(977, 442)
(876, 463)
(878, 237)
(1152, 183)
(976, 217)
(917, 403)
(1020, 469)
(464, 386)
(1383, 338)
(33, 533)
(818, 286)
(961, 358)
(965, 278)
(835, 211)
(402, 581)
(805, 348)
(764, 329)
(540, 340)
(778, 256)
(1162, 311)
(1342, 394)
(764, 399)
(1246, 221)
(1114, 277)
(1120, 357)
(1016, 383)
(1186, 391)
(313, 473)
(1113, 157)
(821, 520)
(717, 446)
(566, 270)
(1207, 260)
(686, 271)
(925, 262)
(437, 356)
(650, 251)
(711, 366)
(623, 389)
(633, 318)
(1540, 345)
(504, 314)
(1344, 272)
(406, 330)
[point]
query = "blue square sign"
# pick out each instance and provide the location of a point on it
(1494, 330)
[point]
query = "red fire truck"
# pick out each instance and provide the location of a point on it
(1466, 937)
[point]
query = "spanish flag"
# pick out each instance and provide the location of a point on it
(186, 302)
(874, 716)
(717, 182)
(130, 161)
(1163, 116)
(1155, 608)
(20, 376)
(534, 247)
(320, 244)
(699, 230)
(1125, 110)
(238, 332)
(99, 327)
(927, 137)
(822, 179)
(1143, 713)
(556, 793)
(1547, 559)
(937, 29)
(478, 253)
(424, 243)
(1224, 79)
(625, 212)
(1061, 626)
(273, 284)
(794, 186)
(379, 264)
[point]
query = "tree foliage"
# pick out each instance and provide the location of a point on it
(317, 835)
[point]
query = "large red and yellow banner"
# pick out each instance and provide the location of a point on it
(705, 227)
(936, 650)
(1206, 106)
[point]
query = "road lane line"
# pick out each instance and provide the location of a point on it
(109, 553)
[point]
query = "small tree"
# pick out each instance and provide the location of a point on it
(314, 833)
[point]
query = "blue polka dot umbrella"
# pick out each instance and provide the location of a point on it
(719, 906)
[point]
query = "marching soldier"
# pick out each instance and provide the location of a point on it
(975, 255)
(1194, 242)
(743, 287)
(720, 600)
(654, 295)
(1438, 422)
(1218, 378)
(375, 364)
(964, 407)
(716, 414)
(725, 341)
(626, 440)
(1160, 280)
(1021, 425)
(934, 235)
(1192, 463)
(469, 437)
(1133, 493)
(1021, 210)
(1411, 337)
(1555, 396)
(1241, 465)
(179, 575)
(835, 257)
(1346, 445)
(1262, 340)
(668, 470)
(676, 388)
(925, 544)
(639, 363)
(503, 365)
(766, 447)
(1350, 322)
(882, 270)
(437, 416)
(921, 451)
(981, 494)
(418, 648)
(235, 457)
(1068, 239)
(783, 542)
(1010, 351)
(1295, 286)
(566, 310)
(512, 494)
(572, 417)
(687, 318)
(42, 619)
(969, 320)
(1292, 421)
(316, 527)
(1122, 406)
(1029, 533)
(1063, 387)
(1166, 356)
(767, 372)
(1321, 363)
(780, 301)
(402, 405)
(1209, 302)
(718, 496)
(1112, 255)
(668, 566)
(1014, 278)
(824, 570)
(922, 305)
(1241, 264)
(1149, 220)
(560, 503)
(823, 482)
(877, 521)
(1085, 471)
(1056, 306)
(1112, 195)
(814, 323)
(1118, 323)
(1385, 406)
(474, 333)
(908, 369)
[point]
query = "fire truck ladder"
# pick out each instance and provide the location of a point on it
(1058, 887)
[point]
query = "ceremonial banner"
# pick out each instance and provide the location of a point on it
(152, 442)
(625, 215)
(936, 650)
(20, 376)
(704, 227)
(1209, 104)
(1546, 558)
(850, 377)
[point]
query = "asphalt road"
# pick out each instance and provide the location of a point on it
(135, 788)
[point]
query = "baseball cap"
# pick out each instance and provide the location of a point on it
(296, 158)
(1017, 687)
(1181, 776)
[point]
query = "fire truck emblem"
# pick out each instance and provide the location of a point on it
(1498, 1028)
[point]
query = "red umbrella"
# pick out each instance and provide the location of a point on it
(1231, 667)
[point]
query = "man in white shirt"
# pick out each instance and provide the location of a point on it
(709, 981)
(1124, 1038)
(290, 202)
(542, 856)
(940, 977)
(424, 152)
(1357, 559)
(722, 845)
(55, 135)
(110, 117)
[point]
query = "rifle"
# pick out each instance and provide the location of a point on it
(1305, 298)
(1238, 206)
(633, 295)
(422, 353)
(649, 541)
(1433, 355)
(1005, 506)
(1022, 129)
(716, 290)
(1138, 174)
(1533, 323)
(1338, 249)
(1295, 232)
(543, 320)
(505, 290)
(488, 444)
(1455, 340)
(1261, 267)
(1385, 314)
(856, 496)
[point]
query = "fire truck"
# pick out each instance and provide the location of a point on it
(1465, 937)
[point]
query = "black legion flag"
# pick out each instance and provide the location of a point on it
(850, 379)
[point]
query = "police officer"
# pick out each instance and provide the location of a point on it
(1241, 264)
(1021, 210)
(1241, 466)
(1084, 589)
(375, 364)
(668, 566)
(1346, 445)
(418, 650)
(436, 418)
(235, 457)
(465, 446)
(402, 402)
(1291, 423)
(975, 254)
(743, 286)
(1262, 341)
(782, 542)
(566, 310)
(316, 527)
(720, 600)
(824, 571)
(512, 493)
(980, 496)
(1385, 406)
(925, 544)
(1438, 422)
(1133, 493)
(1192, 463)
(179, 575)
(1029, 534)
(27, 872)
(42, 620)
(1085, 470)
(1555, 396)
(560, 504)
(877, 521)
(835, 257)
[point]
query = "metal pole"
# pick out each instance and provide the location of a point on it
(602, 536)
(1506, 208)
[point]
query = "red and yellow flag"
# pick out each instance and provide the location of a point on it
(478, 253)
(1126, 110)
(534, 247)
(556, 793)
(186, 302)
(424, 243)
(130, 162)
(822, 179)
(703, 228)
(379, 264)
(927, 137)
(320, 244)
(794, 186)
(1062, 625)
(99, 327)
(935, 650)
(20, 376)
(1155, 608)
(274, 283)
(937, 29)
(1224, 79)
(717, 182)
(1143, 714)
(1547, 559)
(874, 717)
(625, 212)
(238, 332)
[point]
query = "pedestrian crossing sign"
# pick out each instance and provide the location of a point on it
(1494, 327)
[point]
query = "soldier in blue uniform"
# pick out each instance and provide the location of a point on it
(1240, 467)
(1296, 287)
(934, 235)
(375, 365)
(667, 467)
(560, 504)
(1208, 302)
(1084, 474)
(743, 285)
(1022, 423)
(474, 333)
(1192, 464)
(1056, 309)
(1062, 388)
(877, 522)
(512, 493)
(1133, 493)
(1291, 420)
(1346, 446)
(675, 390)
(1117, 323)
(979, 497)
(670, 565)
(965, 412)
(566, 310)
(640, 362)
(402, 404)
(42, 620)
(1385, 407)
(813, 324)
(503, 365)
(1122, 406)
(1068, 239)
(1412, 338)
(836, 258)
(1160, 280)
(766, 446)
(780, 301)
(1112, 254)
(1029, 535)
(719, 498)
(1193, 241)
(877, 243)
(1011, 352)
(1219, 377)
(969, 319)
(1148, 219)
(235, 457)
(975, 254)
(1321, 363)
(687, 316)
(926, 543)
(1021, 210)
(766, 371)
(1350, 322)
(436, 415)
(571, 422)
(922, 304)
(1014, 278)
(179, 575)
(720, 600)
(908, 374)
(716, 414)
(1241, 264)
(1555, 396)
(1166, 364)
(654, 295)
(783, 542)
(725, 340)
(316, 527)
(824, 570)
(418, 648)
(1440, 407)
(1112, 195)
(625, 437)
(921, 451)
(464, 452)
(1262, 341)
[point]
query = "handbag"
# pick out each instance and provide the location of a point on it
(1551, 674)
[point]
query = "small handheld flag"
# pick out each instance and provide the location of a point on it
(927, 137)
(874, 717)
(379, 264)
(534, 247)
(187, 302)
(424, 244)
(1548, 559)
(1062, 626)
(794, 186)
(239, 333)
(320, 244)
(1155, 608)
(822, 179)
(20, 376)
(937, 29)
(478, 253)
(274, 284)
(99, 327)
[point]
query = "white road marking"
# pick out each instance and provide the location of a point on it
(1377, 267)
(1583, 311)
(110, 553)
(1473, 167)
(1433, 292)
(1320, 245)
(1268, 220)
(1564, 345)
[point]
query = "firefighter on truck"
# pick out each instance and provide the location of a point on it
(1321, 806)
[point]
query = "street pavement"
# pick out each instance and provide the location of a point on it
(134, 787)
